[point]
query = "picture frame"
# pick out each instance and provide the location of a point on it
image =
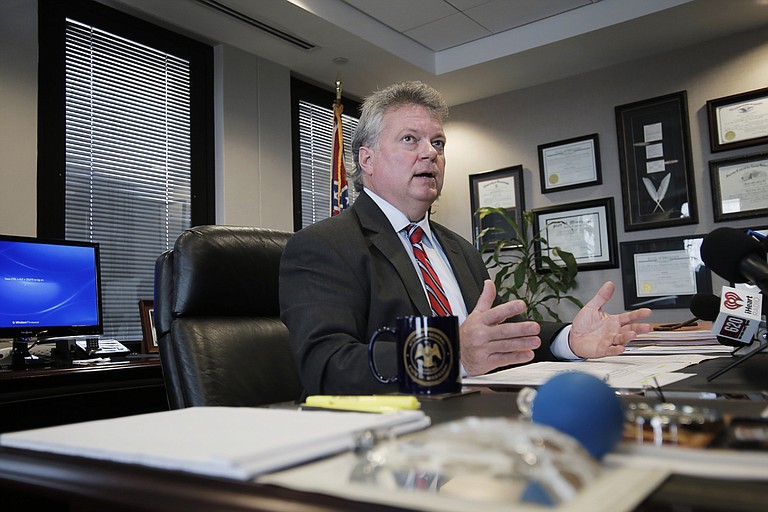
(570, 163)
(502, 188)
(657, 185)
(739, 187)
(149, 334)
(663, 273)
(566, 225)
(738, 121)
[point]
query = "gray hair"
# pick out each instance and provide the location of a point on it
(382, 101)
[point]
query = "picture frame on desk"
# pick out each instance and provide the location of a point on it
(657, 185)
(503, 189)
(738, 121)
(149, 334)
(663, 273)
(570, 163)
(586, 229)
(739, 187)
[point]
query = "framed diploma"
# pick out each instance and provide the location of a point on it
(497, 189)
(739, 187)
(663, 274)
(570, 163)
(586, 229)
(738, 121)
(656, 170)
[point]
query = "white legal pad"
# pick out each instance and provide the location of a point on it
(231, 442)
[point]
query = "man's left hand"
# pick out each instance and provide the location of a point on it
(595, 333)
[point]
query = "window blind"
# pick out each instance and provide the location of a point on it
(316, 153)
(127, 162)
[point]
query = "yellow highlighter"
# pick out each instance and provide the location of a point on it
(363, 403)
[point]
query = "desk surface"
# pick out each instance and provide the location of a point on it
(63, 482)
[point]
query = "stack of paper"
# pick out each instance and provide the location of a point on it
(230, 442)
(619, 372)
(684, 341)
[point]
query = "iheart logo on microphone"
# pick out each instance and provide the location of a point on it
(732, 300)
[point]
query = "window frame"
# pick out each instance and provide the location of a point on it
(51, 118)
(51, 132)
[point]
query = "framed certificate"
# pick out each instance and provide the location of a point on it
(496, 189)
(570, 163)
(586, 229)
(663, 274)
(738, 121)
(739, 187)
(656, 170)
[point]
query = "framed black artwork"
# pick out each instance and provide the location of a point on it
(664, 273)
(503, 189)
(657, 184)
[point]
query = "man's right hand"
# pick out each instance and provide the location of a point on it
(487, 342)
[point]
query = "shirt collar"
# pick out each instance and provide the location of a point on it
(396, 218)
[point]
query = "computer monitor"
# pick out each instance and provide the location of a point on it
(48, 288)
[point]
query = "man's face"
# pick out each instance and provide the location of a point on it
(407, 167)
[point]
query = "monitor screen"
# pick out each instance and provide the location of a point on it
(49, 288)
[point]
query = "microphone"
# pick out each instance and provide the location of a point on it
(736, 257)
(706, 306)
(735, 315)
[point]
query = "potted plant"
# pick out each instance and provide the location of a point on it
(513, 259)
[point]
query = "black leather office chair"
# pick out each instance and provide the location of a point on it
(220, 337)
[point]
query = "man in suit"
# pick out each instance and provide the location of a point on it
(343, 278)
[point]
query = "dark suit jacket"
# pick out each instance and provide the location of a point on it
(344, 277)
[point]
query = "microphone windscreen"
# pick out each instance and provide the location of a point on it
(582, 406)
(724, 249)
(705, 306)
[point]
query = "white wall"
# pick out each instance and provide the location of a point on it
(253, 141)
(505, 130)
(18, 117)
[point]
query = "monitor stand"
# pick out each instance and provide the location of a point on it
(22, 358)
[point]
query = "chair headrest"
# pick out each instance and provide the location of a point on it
(227, 271)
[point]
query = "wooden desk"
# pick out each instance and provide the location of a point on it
(56, 395)
(55, 482)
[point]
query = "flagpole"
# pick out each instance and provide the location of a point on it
(339, 192)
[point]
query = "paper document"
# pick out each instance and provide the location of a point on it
(620, 372)
(689, 340)
(231, 442)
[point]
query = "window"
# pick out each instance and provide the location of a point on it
(125, 111)
(313, 150)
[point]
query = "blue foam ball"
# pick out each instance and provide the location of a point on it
(583, 407)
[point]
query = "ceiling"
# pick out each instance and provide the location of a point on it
(468, 49)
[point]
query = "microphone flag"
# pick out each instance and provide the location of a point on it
(739, 315)
(339, 192)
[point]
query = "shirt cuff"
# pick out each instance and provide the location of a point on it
(560, 347)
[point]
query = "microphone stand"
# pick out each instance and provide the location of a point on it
(762, 343)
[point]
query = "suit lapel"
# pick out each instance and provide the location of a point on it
(379, 232)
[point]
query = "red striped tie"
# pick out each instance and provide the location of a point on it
(437, 299)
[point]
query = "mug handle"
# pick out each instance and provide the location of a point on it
(372, 363)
